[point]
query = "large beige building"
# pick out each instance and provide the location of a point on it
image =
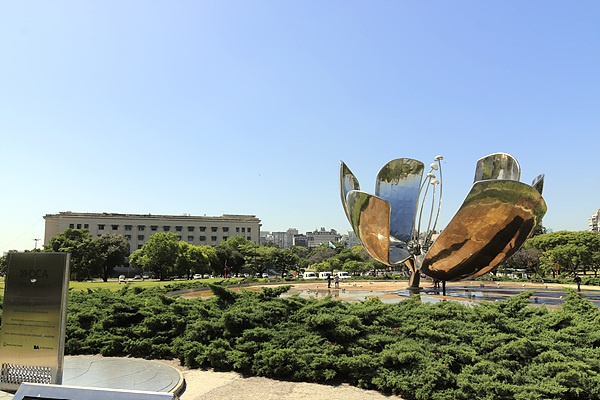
(137, 228)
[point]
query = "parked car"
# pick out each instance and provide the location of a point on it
(343, 274)
(122, 278)
(197, 276)
(324, 275)
(265, 275)
(309, 275)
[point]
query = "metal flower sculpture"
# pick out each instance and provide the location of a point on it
(495, 219)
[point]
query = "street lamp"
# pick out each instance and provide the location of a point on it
(35, 246)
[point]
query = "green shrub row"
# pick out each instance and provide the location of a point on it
(501, 350)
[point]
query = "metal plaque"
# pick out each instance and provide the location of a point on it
(34, 319)
(31, 391)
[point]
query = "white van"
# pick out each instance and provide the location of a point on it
(309, 275)
(324, 275)
(343, 274)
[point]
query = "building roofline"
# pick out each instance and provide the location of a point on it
(149, 216)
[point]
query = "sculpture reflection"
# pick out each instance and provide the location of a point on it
(397, 223)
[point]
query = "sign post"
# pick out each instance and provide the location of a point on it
(34, 314)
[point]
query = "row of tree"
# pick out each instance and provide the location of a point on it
(562, 253)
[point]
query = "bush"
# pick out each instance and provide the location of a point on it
(503, 350)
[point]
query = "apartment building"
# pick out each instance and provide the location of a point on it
(283, 240)
(137, 228)
(593, 222)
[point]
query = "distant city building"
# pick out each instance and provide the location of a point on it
(351, 239)
(593, 222)
(283, 240)
(300, 240)
(321, 236)
(137, 228)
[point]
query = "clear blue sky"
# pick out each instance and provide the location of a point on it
(247, 107)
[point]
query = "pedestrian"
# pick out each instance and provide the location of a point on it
(337, 281)
(328, 281)
(578, 282)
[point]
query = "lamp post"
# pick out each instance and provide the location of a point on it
(35, 246)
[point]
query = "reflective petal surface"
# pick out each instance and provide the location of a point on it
(398, 182)
(348, 182)
(493, 222)
(370, 219)
(497, 166)
(538, 183)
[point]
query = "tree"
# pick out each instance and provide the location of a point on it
(192, 259)
(570, 251)
(230, 255)
(284, 261)
(83, 249)
(527, 258)
(112, 250)
(158, 255)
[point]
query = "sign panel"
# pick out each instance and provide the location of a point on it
(34, 314)
(31, 391)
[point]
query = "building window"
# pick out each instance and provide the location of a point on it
(225, 229)
(139, 246)
(178, 237)
(78, 226)
(114, 227)
(101, 227)
(248, 237)
(141, 227)
(190, 238)
(213, 228)
(202, 228)
(166, 228)
(249, 229)
(243, 229)
(237, 228)
(86, 226)
(127, 227)
(203, 238)
(178, 228)
(190, 229)
(153, 227)
(72, 226)
(225, 237)
(128, 237)
(213, 238)
(140, 237)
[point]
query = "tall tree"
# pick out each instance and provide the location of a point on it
(112, 250)
(285, 261)
(192, 259)
(83, 249)
(569, 251)
(158, 255)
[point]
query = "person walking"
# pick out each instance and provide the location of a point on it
(578, 282)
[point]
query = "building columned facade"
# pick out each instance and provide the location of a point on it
(137, 228)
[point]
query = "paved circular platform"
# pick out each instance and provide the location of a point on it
(119, 373)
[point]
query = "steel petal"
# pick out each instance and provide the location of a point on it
(493, 222)
(497, 166)
(398, 182)
(348, 182)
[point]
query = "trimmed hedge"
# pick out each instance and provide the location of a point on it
(501, 350)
